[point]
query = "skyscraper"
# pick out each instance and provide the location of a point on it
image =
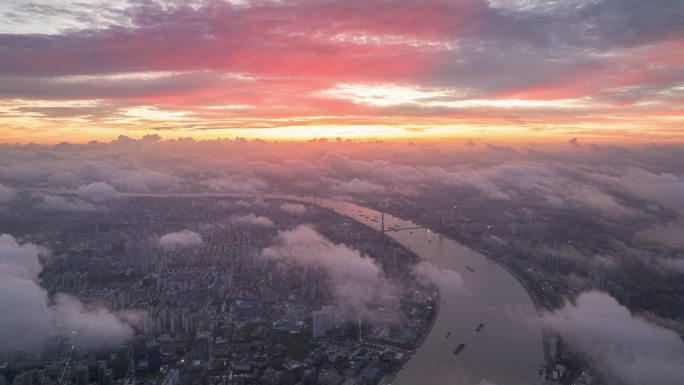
(323, 321)
(153, 356)
(319, 324)
(203, 346)
(292, 372)
(101, 372)
(82, 375)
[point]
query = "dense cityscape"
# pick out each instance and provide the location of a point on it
(208, 306)
(341, 192)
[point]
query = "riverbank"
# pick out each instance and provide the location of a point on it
(390, 377)
(422, 338)
(525, 284)
(537, 305)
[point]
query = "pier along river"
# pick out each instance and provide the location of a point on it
(508, 348)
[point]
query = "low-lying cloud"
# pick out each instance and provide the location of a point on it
(252, 219)
(630, 349)
(97, 191)
(180, 240)
(7, 194)
(359, 186)
(293, 208)
(356, 281)
(669, 235)
(60, 203)
(35, 318)
(427, 273)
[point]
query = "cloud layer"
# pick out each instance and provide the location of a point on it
(252, 219)
(36, 318)
(180, 240)
(293, 208)
(631, 349)
(446, 280)
(356, 281)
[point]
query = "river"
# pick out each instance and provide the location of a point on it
(507, 350)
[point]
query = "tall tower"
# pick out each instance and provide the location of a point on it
(360, 339)
(319, 323)
(203, 346)
(101, 372)
(82, 377)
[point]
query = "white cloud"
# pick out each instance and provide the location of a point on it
(445, 279)
(358, 186)
(58, 203)
(293, 208)
(253, 220)
(356, 281)
(34, 317)
(628, 348)
(7, 194)
(180, 240)
(97, 191)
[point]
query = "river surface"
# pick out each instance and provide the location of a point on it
(506, 351)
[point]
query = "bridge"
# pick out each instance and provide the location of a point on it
(383, 230)
(404, 228)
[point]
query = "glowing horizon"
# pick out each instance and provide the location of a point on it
(422, 70)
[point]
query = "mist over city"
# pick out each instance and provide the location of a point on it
(109, 243)
(341, 192)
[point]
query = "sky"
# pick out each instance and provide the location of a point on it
(530, 70)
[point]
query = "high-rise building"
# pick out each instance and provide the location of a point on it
(597, 279)
(553, 348)
(82, 375)
(153, 357)
(330, 319)
(292, 372)
(202, 346)
(353, 329)
(108, 378)
(323, 321)
(101, 372)
(319, 324)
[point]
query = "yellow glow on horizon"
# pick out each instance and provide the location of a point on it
(387, 95)
(507, 133)
(25, 121)
(152, 113)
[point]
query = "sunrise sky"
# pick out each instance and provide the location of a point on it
(80, 70)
